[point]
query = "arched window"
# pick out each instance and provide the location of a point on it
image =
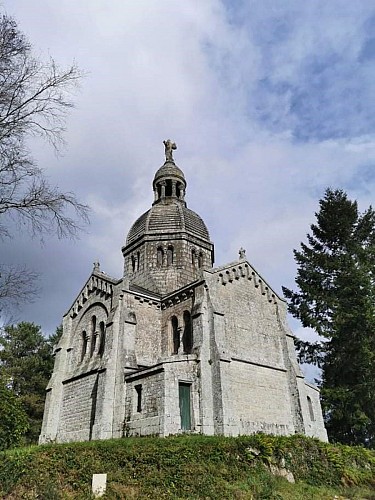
(138, 258)
(93, 335)
(102, 338)
(160, 256)
(170, 255)
(200, 260)
(193, 256)
(311, 410)
(133, 263)
(175, 335)
(84, 345)
(187, 338)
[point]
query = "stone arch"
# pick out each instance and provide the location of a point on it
(187, 338)
(89, 323)
(175, 334)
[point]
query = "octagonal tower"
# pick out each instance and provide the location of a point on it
(169, 244)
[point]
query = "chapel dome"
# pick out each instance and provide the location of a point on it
(173, 217)
(167, 171)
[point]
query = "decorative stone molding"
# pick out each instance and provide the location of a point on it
(177, 298)
(244, 271)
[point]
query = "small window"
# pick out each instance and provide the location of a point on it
(138, 259)
(170, 255)
(175, 334)
(93, 335)
(133, 263)
(311, 409)
(193, 256)
(84, 345)
(200, 260)
(160, 256)
(102, 338)
(187, 338)
(138, 390)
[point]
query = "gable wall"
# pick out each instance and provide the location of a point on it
(254, 378)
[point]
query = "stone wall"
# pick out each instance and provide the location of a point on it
(78, 415)
(146, 314)
(147, 391)
(314, 424)
(258, 379)
(259, 401)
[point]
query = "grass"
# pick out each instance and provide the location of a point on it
(190, 467)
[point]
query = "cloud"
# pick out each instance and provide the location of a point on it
(269, 104)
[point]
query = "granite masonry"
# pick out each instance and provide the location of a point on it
(176, 345)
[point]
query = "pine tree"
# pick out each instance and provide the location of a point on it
(336, 297)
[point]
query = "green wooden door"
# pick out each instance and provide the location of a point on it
(185, 412)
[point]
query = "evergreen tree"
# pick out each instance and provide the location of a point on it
(336, 297)
(13, 421)
(26, 364)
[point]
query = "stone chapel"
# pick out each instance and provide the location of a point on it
(176, 345)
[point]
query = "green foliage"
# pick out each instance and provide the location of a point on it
(26, 364)
(336, 297)
(190, 467)
(13, 419)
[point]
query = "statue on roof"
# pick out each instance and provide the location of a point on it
(169, 147)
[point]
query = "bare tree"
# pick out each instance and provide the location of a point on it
(34, 99)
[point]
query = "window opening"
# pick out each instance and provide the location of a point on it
(168, 188)
(138, 389)
(184, 393)
(84, 345)
(160, 256)
(193, 256)
(133, 263)
(187, 338)
(170, 255)
(311, 410)
(175, 335)
(93, 335)
(200, 260)
(102, 338)
(138, 258)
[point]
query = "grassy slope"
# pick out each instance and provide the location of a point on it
(190, 467)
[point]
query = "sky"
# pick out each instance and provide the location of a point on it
(269, 103)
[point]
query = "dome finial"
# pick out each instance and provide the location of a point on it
(169, 147)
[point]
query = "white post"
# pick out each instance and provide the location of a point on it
(99, 484)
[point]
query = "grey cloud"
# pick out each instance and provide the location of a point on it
(190, 72)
